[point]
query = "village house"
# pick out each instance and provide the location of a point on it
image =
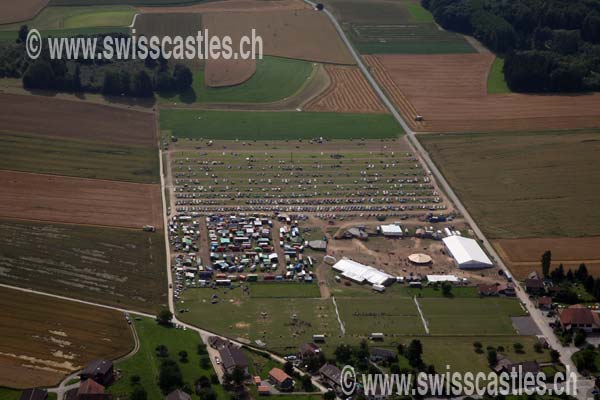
(308, 350)
(281, 380)
(525, 367)
(101, 371)
(232, 357)
(178, 394)
(534, 286)
(379, 354)
(89, 390)
(331, 375)
(579, 317)
(544, 303)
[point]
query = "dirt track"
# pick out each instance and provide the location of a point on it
(16, 11)
(76, 120)
(285, 33)
(524, 255)
(349, 91)
(79, 201)
(450, 92)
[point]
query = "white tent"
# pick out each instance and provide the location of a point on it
(442, 278)
(391, 230)
(466, 252)
(361, 273)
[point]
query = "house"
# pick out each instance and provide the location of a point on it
(100, 371)
(263, 390)
(379, 354)
(257, 380)
(90, 390)
(544, 303)
(534, 286)
(579, 317)
(522, 368)
(34, 394)
(330, 375)
(231, 358)
(507, 289)
(178, 394)
(307, 350)
(281, 380)
(487, 290)
(216, 342)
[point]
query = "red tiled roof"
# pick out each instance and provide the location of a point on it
(579, 315)
(278, 375)
(545, 300)
(89, 386)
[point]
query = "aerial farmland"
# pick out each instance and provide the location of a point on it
(399, 186)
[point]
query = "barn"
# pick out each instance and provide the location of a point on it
(466, 252)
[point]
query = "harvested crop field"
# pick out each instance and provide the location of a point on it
(292, 34)
(76, 120)
(117, 267)
(81, 158)
(223, 73)
(348, 91)
(44, 339)
(80, 201)
(16, 11)
(524, 184)
(450, 92)
(524, 255)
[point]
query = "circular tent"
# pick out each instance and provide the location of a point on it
(419, 259)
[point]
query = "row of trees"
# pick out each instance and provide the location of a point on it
(550, 45)
(134, 78)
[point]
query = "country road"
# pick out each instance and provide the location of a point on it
(536, 314)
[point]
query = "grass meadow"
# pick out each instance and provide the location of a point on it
(496, 83)
(285, 125)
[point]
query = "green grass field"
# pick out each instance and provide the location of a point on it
(418, 13)
(52, 18)
(246, 125)
(496, 82)
(524, 184)
(470, 316)
(268, 319)
(146, 364)
(284, 290)
(31, 153)
(9, 394)
(119, 267)
(275, 79)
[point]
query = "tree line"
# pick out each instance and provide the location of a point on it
(134, 78)
(549, 45)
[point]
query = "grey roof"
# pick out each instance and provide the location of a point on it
(232, 357)
(383, 353)
(331, 372)
(178, 394)
(34, 394)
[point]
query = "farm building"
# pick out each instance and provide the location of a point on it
(281, 380)
(232, 357)
(466, 252)
(579, 317)
(391, 230)
(360, 273)
(331, 375)
(101, 371)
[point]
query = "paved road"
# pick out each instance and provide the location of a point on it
(565, 352)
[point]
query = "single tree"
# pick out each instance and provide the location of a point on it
(164, 317)
(546, 261)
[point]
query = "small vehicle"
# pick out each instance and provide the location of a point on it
(218, 360)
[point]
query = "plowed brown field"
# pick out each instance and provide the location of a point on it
(449, 91)
(16, 11)
(348, 91)
(44, 339)
(76, 120)
(285, 33)
(523, 255)
(79, 201)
